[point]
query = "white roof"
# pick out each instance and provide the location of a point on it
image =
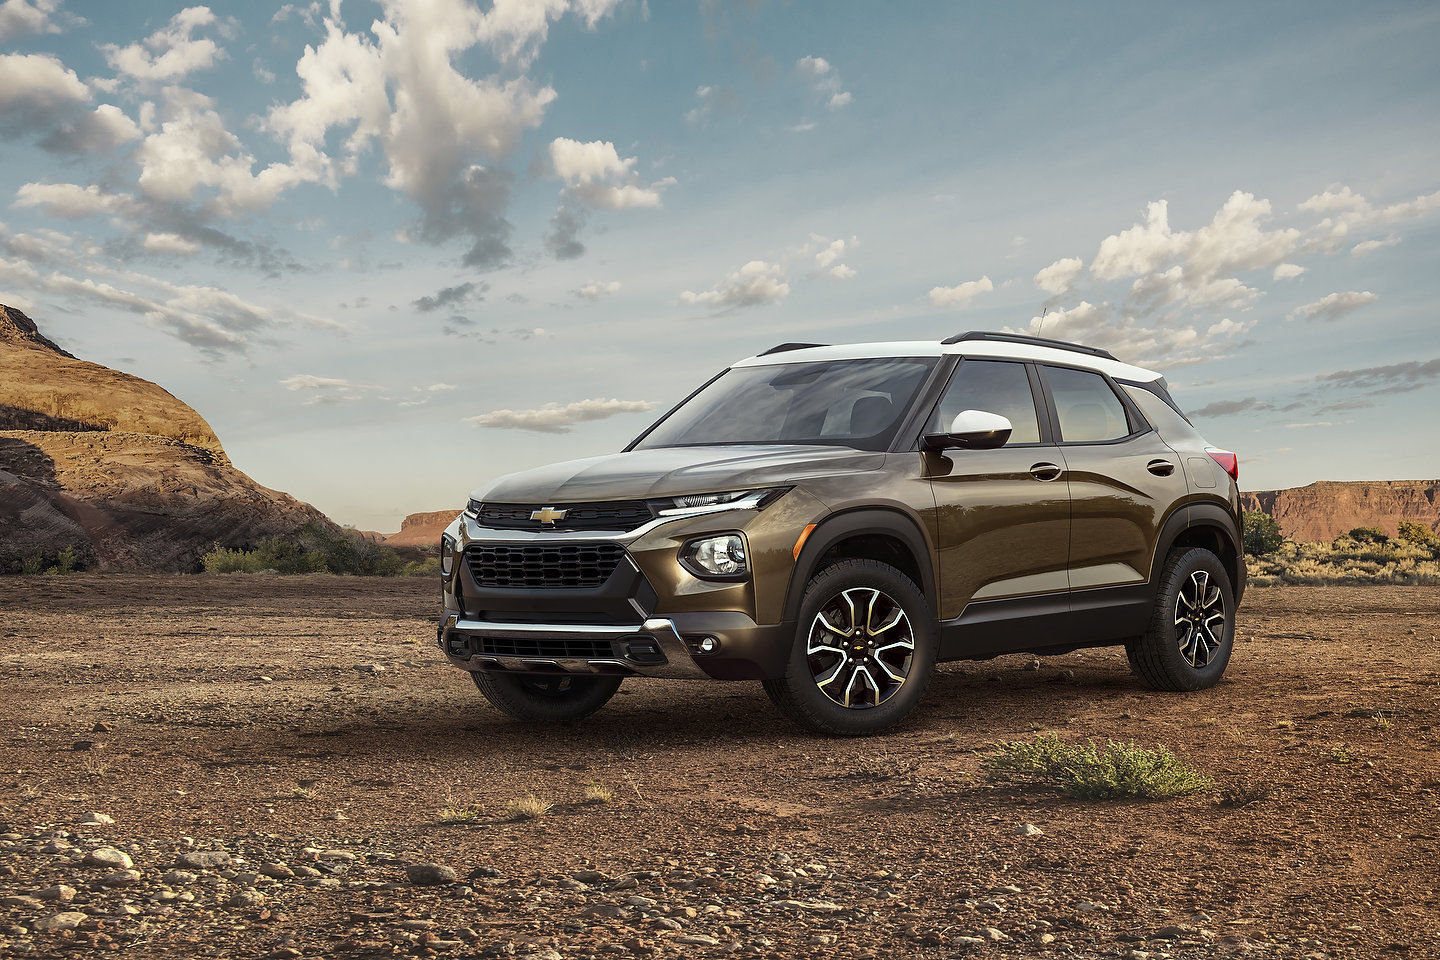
(994, 349)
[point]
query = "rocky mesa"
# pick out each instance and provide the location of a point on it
(1325, 509)
(116, 468)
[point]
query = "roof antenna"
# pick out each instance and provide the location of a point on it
(1042, 321)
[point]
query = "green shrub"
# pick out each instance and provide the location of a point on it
(67, 561)
(1089, 771)
(318, 549)
(1412, 531)
(32, 565)
(1368, 535)
(1262, 534)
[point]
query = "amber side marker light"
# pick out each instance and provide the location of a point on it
(804, 535)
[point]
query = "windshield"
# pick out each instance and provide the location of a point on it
(847, 403)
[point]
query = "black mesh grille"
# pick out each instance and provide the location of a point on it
(549, 649)
(614, 515)
(531, 566)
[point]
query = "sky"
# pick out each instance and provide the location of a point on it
(394, 250)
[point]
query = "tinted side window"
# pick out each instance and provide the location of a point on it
(1088, 409)
(994, 386)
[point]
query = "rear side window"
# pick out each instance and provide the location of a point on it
(994, 386)
(1088, 408)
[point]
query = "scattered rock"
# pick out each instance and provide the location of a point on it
(1032, 665)
(369, 668)
(203, 859)
(994, 935)
(277, 871)
(95, 820)
(178, 878)
(60, 893)
(1029, 830)
(108, 857)
(247, 899)
(68, 920)
(20, 901)
(120, 878)
(698, 940)
(430, 874)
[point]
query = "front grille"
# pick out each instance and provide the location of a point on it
(612, 515)
(548, 649)
(534, 566)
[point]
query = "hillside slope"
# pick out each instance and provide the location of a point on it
(1327, 508)
(115, 467)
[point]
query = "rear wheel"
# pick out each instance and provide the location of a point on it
(546, 698)
(1192, 630)
(864, 651)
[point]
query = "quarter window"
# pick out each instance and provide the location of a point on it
(994, 386)
(1088, 408)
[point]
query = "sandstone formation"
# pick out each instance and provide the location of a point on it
(422, 529)
(1325, 509)
(115, 467)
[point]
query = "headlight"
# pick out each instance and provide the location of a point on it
(447, 555)
(717, 502)
(718, 557)
(472, 509)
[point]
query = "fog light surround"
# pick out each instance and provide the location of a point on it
(707, 645)
(720, 556)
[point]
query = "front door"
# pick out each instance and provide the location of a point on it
(1003, 515)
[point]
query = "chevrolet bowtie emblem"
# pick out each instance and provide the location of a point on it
(548, 515)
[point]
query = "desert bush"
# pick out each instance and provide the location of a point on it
(319, 549)
(68, 560)
(1367, 535)
(1090, 771)
(1412, 531)
(1262, 534)
(1348, 561)
(526, 808)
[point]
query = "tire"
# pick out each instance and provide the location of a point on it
(1187, 647)
(546, 698)
(810, 693)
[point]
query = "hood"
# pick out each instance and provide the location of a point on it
(672, 471)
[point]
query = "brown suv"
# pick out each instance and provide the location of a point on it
(835, 520)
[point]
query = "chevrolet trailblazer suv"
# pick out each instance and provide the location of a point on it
(835, 520)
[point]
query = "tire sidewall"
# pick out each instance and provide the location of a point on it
(1190, 677)
(821, 589)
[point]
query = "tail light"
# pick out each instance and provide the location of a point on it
(1227, 460)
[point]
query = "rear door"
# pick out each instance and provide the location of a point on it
(1122, 475)
(1003, 515)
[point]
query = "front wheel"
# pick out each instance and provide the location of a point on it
(864, 651)
(1192, 629)
(546, 698)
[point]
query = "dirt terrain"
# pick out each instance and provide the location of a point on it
(282, 757)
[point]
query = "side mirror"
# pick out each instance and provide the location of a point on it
(972, 430)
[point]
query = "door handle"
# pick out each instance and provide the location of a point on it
(1045, 471)
(1161, 468)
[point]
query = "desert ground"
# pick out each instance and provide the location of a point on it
(282, 757)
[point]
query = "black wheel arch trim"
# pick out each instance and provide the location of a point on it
(861, 521)
(1189, 516)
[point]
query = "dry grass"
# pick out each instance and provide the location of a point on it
(460, 814)
(528, 807)
(1348, 561)
(598, 793)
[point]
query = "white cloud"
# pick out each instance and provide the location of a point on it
(37, 82)
(1346, 211)
(829, 253)
(20, 18)
(597, 175)
(1060, 276)
(70, 201)
(558, 418)
(516, 29)
(169, 243)
(440, 387)
(441, 131)
(842, 272)
(824, 81)
(1288, 271)
(170, 52)
(755, 284)
(1366, 246)
(959, 295)
(193, 149)
(1334, 306)
(1308, 426)
(307, 381)
(598, 289)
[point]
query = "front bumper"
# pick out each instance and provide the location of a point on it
(652, 649)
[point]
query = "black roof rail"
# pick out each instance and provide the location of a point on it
(782, 348)
(1033, 341)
